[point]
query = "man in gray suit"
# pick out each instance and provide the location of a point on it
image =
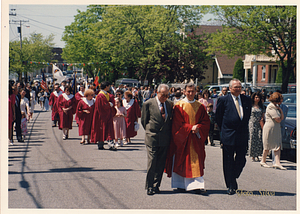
(156, 120)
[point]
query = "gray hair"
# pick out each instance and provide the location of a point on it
(234, 80)
(190, 84)
(163, 86)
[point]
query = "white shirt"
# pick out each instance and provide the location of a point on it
(160, 105)
(240, 104)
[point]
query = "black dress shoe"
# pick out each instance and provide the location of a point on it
(20, 140)
(180, 190)
(150, 191)
(231, 191)
(156, 189)
(200, 191)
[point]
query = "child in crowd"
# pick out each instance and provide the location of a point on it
(211, 115)
(119, 123)
(24, 124)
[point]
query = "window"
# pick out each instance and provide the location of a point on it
(263, 73)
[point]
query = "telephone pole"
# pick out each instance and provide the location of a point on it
(20, 32)
(20, 29)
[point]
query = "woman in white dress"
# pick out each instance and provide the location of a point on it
(272, 132)
(24, 104)
(32, 101)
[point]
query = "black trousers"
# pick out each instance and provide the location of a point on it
(18, 126)
(156, 164)
(234, 160)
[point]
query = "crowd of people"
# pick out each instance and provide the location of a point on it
(178, 123)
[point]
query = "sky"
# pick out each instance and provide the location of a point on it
(44, 19)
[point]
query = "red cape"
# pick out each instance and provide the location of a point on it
(102, 125)
(188, 149)
(84, 119)
(65, 120)
(133, 113)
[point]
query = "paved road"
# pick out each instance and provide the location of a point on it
(47, 172)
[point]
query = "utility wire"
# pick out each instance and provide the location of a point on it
(42, 23)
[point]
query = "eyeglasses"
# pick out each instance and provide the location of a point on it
(164, 95)
(118, 94)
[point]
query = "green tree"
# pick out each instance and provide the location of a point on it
(142, 41)
(238, 70)
(279, 76)
(269, 30)
(35, 50)
(80, 40)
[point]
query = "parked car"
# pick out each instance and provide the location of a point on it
(289, 98)
(293, 140)
(217, 87)
(127, 81)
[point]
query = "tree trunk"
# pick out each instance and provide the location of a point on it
(20, 76)
(25, 77)
(285, 78)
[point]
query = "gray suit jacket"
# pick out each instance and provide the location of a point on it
(157, 130)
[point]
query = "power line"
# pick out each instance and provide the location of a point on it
(43, 23)
(45, 29)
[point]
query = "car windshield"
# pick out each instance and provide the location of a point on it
(292, 112)
(289, 98)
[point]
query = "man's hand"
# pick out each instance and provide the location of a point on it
(195, 129)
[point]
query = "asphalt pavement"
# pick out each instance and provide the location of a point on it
(51, 173)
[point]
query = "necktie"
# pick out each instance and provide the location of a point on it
(237, 106)
(162, 111)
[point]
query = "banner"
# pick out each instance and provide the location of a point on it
(96, 82)
(57, 74)
(44, 83)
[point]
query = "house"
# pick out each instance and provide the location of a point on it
(220, 71)
(262, 70)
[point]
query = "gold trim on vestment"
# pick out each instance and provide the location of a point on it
(106, 95)
(191, 109)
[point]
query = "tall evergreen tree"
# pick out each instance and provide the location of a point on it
(238, 70)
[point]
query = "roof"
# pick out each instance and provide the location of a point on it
(226, 64)
(207, 29)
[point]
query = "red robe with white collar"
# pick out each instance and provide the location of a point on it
(102, 125)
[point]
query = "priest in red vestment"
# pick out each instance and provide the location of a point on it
(78, 96)
(66, 104)
(85, 113)
(133, 114)
(102, 125)
(186, 155)
(52, 102)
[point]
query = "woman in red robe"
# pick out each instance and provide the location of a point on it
(66, 108)
(52, 102)
(133, 113)
(102, 125)
(11, 112)
(85, 113)
(78, 96)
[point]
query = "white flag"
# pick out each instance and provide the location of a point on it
(57, 74)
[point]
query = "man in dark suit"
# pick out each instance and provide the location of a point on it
(232, 116)
(157, 121)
